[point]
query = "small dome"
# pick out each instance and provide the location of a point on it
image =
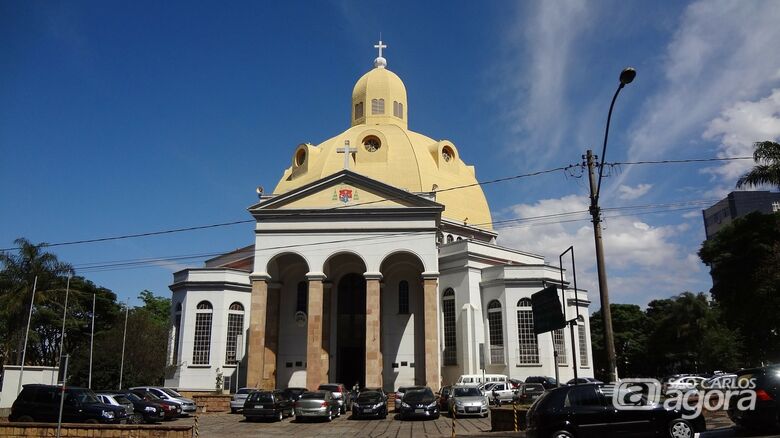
(379, 97)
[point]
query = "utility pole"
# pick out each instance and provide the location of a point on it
(92, 343)
(26, 336)
(124, 337)
(606, 314)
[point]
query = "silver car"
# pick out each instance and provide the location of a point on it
(237, 403)
(122, 401)
(468, 400)
(317, 404)
(187, 405)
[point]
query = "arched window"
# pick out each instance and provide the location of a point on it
(450, 239)
(235, 328)
(582, 341)
(359, 110)
(528, 345)
(403, 297)
(302, 297)
(450, 340)
(201, 350)
(176, 333)
(496, 332)
(398, 109)
(377, 106)
(459, 239)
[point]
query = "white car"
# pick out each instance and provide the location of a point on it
(684, 384)
(237, 403)
(501, 391)
(187, 405)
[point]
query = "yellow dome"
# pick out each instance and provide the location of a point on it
(388, 152)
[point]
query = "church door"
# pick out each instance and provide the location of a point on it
(351, 331)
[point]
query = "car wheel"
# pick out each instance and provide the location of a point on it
(562, 434)
(680, 428)
(280, 417)
(343, 409)
(233, 410)
(25, 419)
(330, 416)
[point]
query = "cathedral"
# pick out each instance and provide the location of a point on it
(374, 262)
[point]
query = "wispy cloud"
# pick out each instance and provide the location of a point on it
(629, 193)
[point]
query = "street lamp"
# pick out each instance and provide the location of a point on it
(626, 77)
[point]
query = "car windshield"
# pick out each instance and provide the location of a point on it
(171, 392)
(369, 397)
(132, 397)
(84, 396)
(149, 396)
(244, 391)
(418, 395)
(467, 392)
(122, 400)
(261, 397)
(313, 396)
(331, 388)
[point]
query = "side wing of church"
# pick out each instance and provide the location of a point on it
(374, 262)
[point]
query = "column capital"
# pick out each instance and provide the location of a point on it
(430, 275)
(257, 276)
(316, 276)
(372, 275)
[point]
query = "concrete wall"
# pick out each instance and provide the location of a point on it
(32, 374)
(19, 430)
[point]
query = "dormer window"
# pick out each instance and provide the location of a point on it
(359, 110)
(377, 106)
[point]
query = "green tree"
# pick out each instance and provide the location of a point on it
(158, 307)
(630, 327)
(767, 169)
(745, 268)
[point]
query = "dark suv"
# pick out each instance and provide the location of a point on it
(42, 403)
(268, 404)
(764, 384)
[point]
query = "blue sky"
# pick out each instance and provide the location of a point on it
(121, 118)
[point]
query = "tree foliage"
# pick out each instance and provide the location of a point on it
(744, 261)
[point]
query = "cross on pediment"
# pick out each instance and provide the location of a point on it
(346, 150)
(380, 46)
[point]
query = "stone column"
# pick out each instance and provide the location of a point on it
(271, 336)
(327, 294)
(373, 331)
(257, 326)
(314, 368)
(431, 332)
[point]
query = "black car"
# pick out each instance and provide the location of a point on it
(581, 380)
(42, 403)
(587, 411)
(547, 382)
(765, 384)
(150, 412)
(370, 404)
(420, 403)
(268, 404)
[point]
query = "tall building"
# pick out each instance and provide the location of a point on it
(738, 204)
(374, 261)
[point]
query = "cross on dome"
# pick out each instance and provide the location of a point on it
(380, 62)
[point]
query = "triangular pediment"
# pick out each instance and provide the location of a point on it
(345, 191)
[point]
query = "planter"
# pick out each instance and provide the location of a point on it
(502, 418)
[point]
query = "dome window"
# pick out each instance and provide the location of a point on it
(359, 110)
(377, 106)
(447, 154)
(398, 109)
(300, 157)
(372, 143)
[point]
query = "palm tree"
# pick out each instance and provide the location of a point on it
(767, 168)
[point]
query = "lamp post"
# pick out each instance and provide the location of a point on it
(626, 76)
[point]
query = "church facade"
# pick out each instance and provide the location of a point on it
(374, 262)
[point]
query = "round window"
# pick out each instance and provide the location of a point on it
(447, 154)
(300, 157)
(372, 143)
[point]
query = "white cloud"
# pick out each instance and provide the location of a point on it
(737, 128)
(629, 193)
(643, 261)
(722, 52)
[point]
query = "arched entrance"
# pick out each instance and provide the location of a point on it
(351, 330)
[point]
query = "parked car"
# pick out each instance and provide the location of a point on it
(468, 400)
(370, 404)
(587, 410)
(547, 382)
(317, 404)
(683, 384)
(419, 403)
(500, 392)
(187, 404)
(339, 394)
(42, 403)
(122, 401)
(444, 398)
(295, 393)
(476, 379)
(581, 380)
(720, 382)
(766, 415)
(379, 390)
(150, 412)
(399, 395)
(527, 393)
(170, 409)
(237, 402)
(268, 404)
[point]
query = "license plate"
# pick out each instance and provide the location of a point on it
(419, 411)
(258, 406)
(472, 409)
